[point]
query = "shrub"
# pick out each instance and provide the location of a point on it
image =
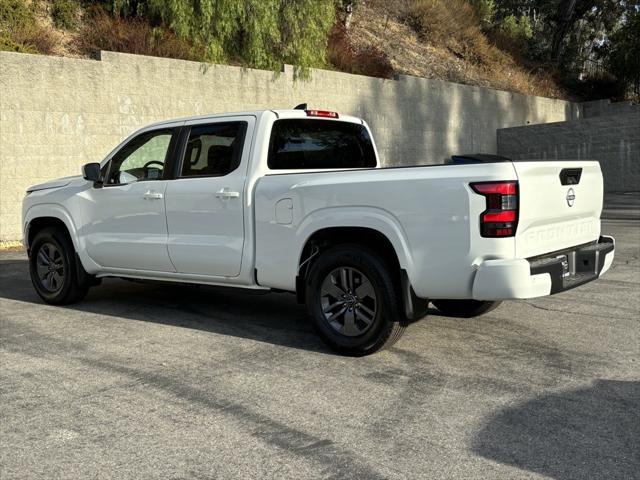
(65, 14)
(454, 24)
(435, 21)
(345, 57)
(36, 39)
(19, 31)
(124, 8)
(7, 44)
(485, 10)
(102, 31)
(517, 29)
(512, 34)
(15, 15)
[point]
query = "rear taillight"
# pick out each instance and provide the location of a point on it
(500, 219)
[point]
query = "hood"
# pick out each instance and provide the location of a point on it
(60, 182)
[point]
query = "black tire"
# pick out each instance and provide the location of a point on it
(62, 265)
(465, 308)
(386, 324)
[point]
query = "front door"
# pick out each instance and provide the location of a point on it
(125, 222)
(205, 203)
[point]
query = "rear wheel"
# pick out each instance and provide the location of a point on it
(353, 301)
(54, 268)
(465, 308)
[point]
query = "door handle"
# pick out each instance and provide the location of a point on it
(151, 195)
(226, 193)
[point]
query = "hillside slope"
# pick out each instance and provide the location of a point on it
(383, 27)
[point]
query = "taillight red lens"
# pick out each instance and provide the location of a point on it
(500, 219)
(501, 188)
(506, 216)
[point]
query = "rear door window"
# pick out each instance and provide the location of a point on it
(318, 144)
(213, 150)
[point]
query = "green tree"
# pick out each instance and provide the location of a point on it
(623, 58)
(258, 33)
(564, 31)
(580, 21)
(485, 10)
(517, 28)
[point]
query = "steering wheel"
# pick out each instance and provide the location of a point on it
(148, 164)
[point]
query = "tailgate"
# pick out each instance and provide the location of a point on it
(560, 205)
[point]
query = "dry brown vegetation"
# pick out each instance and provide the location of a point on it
(36, 27)
(34, 38)
(442, 40)
(101, 31)
(345, 56)
(452, 25)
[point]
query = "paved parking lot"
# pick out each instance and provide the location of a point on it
(168, 382)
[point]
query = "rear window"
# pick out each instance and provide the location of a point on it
(317, 144)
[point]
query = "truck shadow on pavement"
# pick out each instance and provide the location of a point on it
(274, 318)
(591, 432)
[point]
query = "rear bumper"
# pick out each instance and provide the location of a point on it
(543, 275)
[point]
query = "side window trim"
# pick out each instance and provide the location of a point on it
(181, 135)
(181, 150)
(171, 152)
(184, 140)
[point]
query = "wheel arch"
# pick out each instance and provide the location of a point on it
(43, 216)
(376, 221)
(329, 237)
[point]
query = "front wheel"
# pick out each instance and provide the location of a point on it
(53, 268)
(465, 308)
(353, 301)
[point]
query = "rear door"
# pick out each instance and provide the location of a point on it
(560, 205)
(205, 202)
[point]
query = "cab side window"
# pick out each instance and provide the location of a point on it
(143, 158)
(316, 144)
(213, 150)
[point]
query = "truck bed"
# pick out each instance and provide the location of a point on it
(429, 213)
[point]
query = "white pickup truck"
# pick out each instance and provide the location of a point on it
(295, 200)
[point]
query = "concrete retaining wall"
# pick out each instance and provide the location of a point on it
(59, 113)
(598, 108)
(613, 139)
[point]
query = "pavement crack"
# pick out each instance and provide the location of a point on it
(539, 307)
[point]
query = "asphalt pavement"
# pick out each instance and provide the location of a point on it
(169, 382)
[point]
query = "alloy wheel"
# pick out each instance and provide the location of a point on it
(50, 267)
(348, 300)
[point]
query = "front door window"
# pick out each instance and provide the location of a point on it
(143, 158)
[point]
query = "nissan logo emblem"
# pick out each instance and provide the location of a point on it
(571, 197)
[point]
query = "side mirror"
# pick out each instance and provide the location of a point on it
(91, 172)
